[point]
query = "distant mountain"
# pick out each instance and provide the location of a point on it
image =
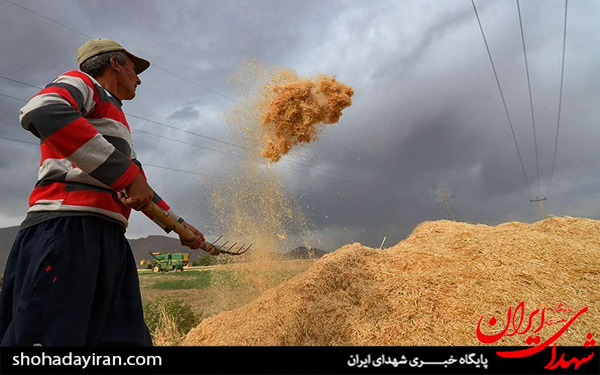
(140, 246)
(302, 252)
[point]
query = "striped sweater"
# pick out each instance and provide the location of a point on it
(87, 151)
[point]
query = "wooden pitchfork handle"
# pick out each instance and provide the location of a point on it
(161, 215)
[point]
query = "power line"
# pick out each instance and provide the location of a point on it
(226, 143)
(13, 97)
(223, 152)
(49, 19)
(140, 117)
(145, 164)
(21, 82)
(165, 70)
(255, 159)
(136, 130)
(219, 177)
(197, 84)
(335, 196)
(503, 100)
(537, 161)
(247, 158)
(18, 140)
(279, 165)
(142, 131)
(242, 157)
(188, 143)
(181, 170)
(350, 177)
(91, 37)
(204, 87)
(153, 65)
(562, 75)
(249, 149)
(186, 131)
(143, 118)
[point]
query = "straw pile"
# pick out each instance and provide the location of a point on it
(430, 289)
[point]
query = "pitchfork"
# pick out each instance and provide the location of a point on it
(213, 248)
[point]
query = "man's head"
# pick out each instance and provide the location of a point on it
(112, 65)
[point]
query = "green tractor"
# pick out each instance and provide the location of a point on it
(165, 262)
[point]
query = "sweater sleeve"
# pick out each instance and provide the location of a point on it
(56, 116)
(160, 203)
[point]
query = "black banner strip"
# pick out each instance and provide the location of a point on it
(296, 360)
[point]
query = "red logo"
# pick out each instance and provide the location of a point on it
(516, 324)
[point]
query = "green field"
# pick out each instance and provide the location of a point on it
(206, 278)
(212, 289)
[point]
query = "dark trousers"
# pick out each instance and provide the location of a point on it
(72, 281)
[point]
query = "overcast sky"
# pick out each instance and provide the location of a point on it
(426, 109)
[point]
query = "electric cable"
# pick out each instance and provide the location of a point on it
(243, 157)
(221, 177)
(49, 19)
(21, 82)
(91, 37)
(18, 140)
(210, 149)
(503, 99)
(153, 65)
(225, 96)
(535, 143)
(13, 97)
(226, 143)
(560, 97)
(181, 170)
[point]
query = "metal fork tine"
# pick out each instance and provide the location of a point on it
(217, 240)
(231, 250)
(242, 250)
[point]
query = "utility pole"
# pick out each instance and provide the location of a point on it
(539, 200)
(444, 199)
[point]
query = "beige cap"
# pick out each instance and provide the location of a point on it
(96, 47)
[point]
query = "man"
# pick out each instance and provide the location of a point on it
(71, 278)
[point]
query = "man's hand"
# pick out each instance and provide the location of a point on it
(138, 193)
(196, 242)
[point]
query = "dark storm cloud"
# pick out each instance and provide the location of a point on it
(445, 124)
(185, 113)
